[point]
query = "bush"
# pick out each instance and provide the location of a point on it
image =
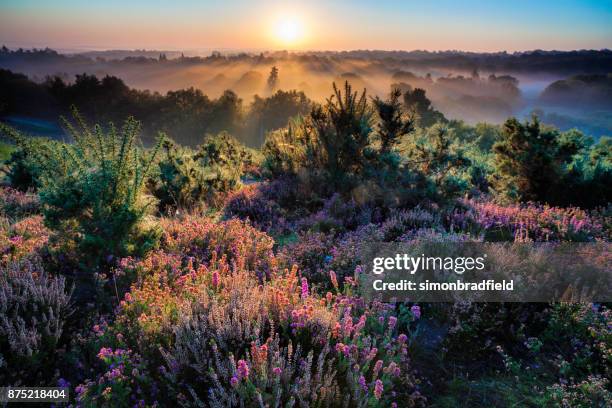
(92, 192)
(201, 327)
(17, 204)
(33, 310)
(529, 161)
(190, 179)
(28, 160)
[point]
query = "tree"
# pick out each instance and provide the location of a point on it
(393, 122)
(273, 78)
(418, 104)
(529, 160)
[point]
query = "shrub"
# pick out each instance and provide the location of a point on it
(33, 310)
(191, 179)
(529, 222)
(22, 239)
(93, 192)
(27, 162)
(224, 336)
(16, 204)
(529, 161)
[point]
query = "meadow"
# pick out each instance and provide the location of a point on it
(214, 274)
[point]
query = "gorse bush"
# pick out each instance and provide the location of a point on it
(352, 147)
(530, 160)
(329, 143)
(26, 164)
(193, 178)
(92, 191)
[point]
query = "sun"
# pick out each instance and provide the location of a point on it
(288, 30)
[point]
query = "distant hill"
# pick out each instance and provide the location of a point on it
(589, 91)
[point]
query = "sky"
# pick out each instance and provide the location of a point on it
(471, 25)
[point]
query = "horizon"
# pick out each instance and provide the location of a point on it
(203, 52)
(474, 26)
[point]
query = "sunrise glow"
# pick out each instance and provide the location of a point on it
(288, 31)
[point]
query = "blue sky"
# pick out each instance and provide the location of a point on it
(382, 24)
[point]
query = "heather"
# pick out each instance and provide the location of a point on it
(220, 275)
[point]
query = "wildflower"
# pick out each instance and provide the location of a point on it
(394, 405)
(363, 384)
(416, 311)
(63, 383)
(378, 389)
(105, 352)
(392, 322)
(334, 279)
(402, 338)
(243, 369)
(277, 371)
(234, 381)
(215, 279)
(377, 367)
(304, 288)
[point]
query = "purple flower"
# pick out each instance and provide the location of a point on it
(402, 338)
(392, 322)
(378, 389)
(363, 384)
(304, 288)
(277, 371)
(234, 381)
(416, 311)
(243, 369)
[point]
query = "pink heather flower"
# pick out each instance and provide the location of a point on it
(215, 279)
(346, 350)
(128, 297)
(372, 353)
(392, 322)
(234, 381)
(363, 384)
(339, 347)
(243, 369)
(378, 389)
(334, 279)
(277, 371)
(416, 311)
(304, 288)
(105, 352)
(377, 367)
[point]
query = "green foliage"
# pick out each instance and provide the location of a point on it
(331, 143)
(28, 159)
(5, 151)
(435, 155)
(334, 150)
(533, 163)
(393, 123)
(418, 104)
(529, 161)
(92, 191)
(191, 179)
